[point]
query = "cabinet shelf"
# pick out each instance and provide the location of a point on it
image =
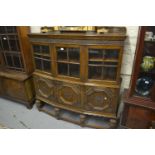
(10, 34)
(101, 65)
(68, 62)
(103, 60)
(42, 54)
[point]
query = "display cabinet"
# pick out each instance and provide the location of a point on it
(16, 65)
(77, 75)
(139, 100)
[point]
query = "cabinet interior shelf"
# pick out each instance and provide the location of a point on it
(10, 34)
(101, 65)
(68, 62)
(42, 54)
(103, 60)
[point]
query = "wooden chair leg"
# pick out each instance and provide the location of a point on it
(113, 123)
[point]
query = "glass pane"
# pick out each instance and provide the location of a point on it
(111, 73)
(45, 49)
(18, 45)
(38, 63)
(0, 45)
(110, 64)
(74, 54)
(111, 54)
(95, 53)
(2, 29)
(62, 53)
(95, 72)
(62, 68)
(16, 60)
(95, 63)
(47, 66)
(13, 44)
(9, 61)
(5, 43)
(11, 29)
(74, 70)
(36, 48)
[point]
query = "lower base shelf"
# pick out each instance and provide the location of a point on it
(80, 119)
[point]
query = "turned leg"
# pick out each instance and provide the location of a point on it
(57, 112)
(82, 120)
(39, 104)
(29, 106)
(113, 123)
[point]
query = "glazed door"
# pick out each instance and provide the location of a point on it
(68, 61)
(10, 48)
(104, 63)
(42, 55)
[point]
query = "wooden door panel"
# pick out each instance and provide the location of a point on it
(101, 99)
(45, 88)
(68, 94)
(13, 89)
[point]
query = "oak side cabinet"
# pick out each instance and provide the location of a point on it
(16, 65)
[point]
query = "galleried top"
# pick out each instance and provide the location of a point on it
(78, 29)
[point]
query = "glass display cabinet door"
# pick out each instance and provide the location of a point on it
(42, 58)
(146, 75)
(103, 64)
(68, 61)
(10, 48)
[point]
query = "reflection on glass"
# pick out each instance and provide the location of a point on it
(5, 43)
(62, 53)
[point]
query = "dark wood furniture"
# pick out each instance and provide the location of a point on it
(139, 107)
(77, 75)
(16, 65)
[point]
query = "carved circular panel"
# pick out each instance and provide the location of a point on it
(98, 100)
(44, 88)
(68, 95)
